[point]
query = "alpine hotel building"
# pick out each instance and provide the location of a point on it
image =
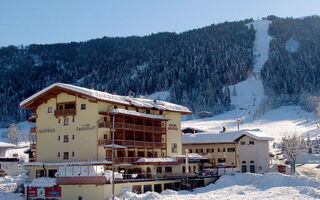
(74, 137)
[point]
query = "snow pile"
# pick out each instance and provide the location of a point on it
(42, 182)
(108, 175)
(244, 186)
(11, 196)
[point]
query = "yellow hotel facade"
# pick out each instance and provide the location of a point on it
(74, 135)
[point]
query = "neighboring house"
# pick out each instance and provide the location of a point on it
(247, 150)
(4, 147)
(10, 166)
(205, 114)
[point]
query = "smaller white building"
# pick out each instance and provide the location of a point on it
(247, 150)
(4, 147)
(9, 166)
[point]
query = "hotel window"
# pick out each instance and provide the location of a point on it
(212, 150)
(73, 137)
(148, 111)
(115, 107)
(208, 151)
(231, 149)
(197, 151)
(58, 154)
(190, 150)
(39, 173)
(72, 119)
(159, 170)
(83, 106)
(221, 160)
(65, 138)
(65, 155)
(201, 150)
(251, 161)
(174, 148)
(243, 162)
(160, 112)
(59, 121)
(58, 137)
(49, 109)
(251, 142)
(218, 149)
(73, 154)
(183, 169)
(168, 169)
(137, 109)
(223, 149)
(66, 121)
(243, 143)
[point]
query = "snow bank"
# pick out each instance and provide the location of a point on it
(11, 196)
(157, 160)
(244, 186)
(42, 182)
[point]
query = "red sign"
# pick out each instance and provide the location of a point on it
(54, 191)
(32, 192)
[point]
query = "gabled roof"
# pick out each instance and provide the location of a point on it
(95, 95)
(6, 145)
(225, 137)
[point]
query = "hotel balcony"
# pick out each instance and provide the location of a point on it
(32, 119)
(81, 180)
(65, 112)
(33, 130)
(133, 143)
(132, 127)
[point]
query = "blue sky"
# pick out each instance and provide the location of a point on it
(51, 21)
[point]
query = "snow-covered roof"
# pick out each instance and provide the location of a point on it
(98, 162)
(225, 137)
(42, 182)
(146, 160)
(138, 102)
(6, 145)
(115, 146)
(135, 113)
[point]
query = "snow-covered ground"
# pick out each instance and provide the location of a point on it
(244, 186)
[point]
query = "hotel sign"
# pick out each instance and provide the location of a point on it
(85, 127)
(47, 130)
(172, 127)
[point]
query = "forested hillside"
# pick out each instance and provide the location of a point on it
(291, 73)
(194, 66)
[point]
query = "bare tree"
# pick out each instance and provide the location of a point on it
(13, 134)
(292, 145)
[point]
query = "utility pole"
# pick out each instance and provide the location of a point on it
(113, 130)
(187, 167)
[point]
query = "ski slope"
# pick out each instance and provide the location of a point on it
(249, 95)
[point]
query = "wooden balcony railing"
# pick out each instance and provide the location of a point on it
(133, 143)
(32, 159)
(65, 112)
(124, 159)
(33, 129)
(135, 127)
(80, 180)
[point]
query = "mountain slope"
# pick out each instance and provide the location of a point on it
(194, 66)
(250, 100)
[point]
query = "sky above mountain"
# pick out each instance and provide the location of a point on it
(46, 21)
